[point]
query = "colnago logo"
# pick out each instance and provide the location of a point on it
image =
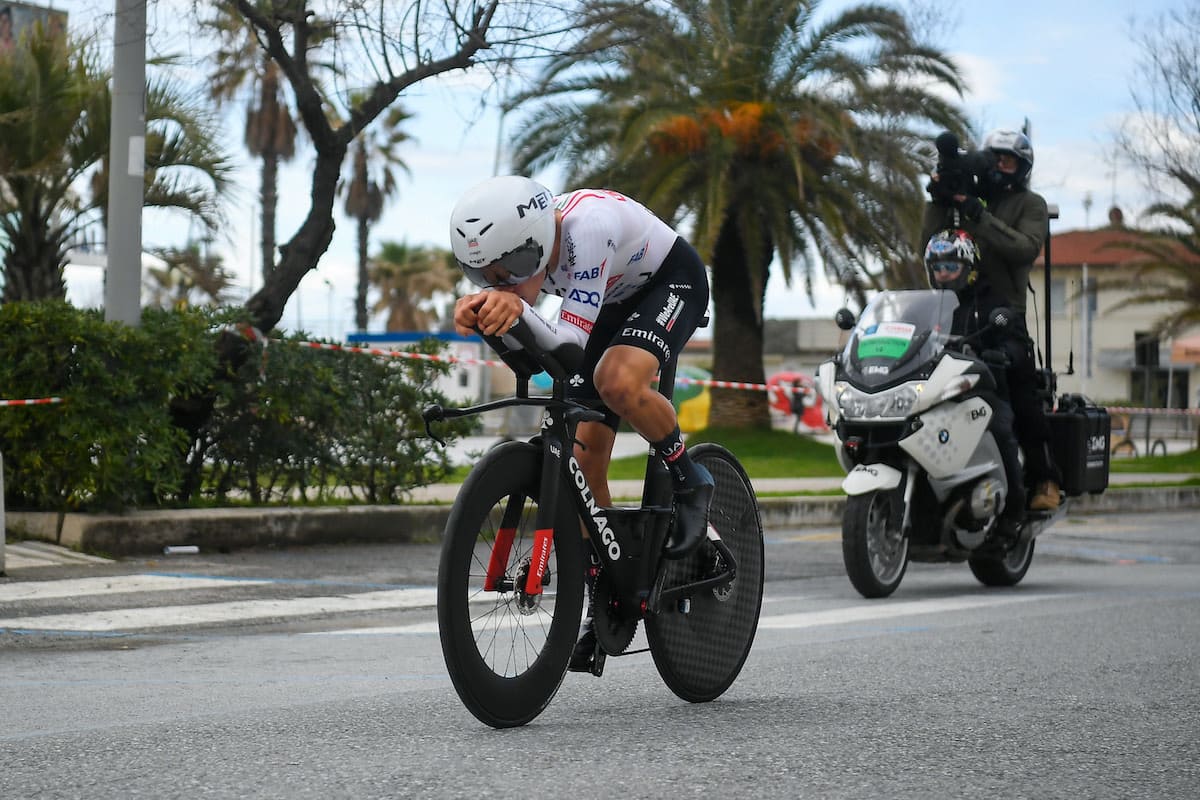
(651, 337)
(670, 312)
(539, 202)
(607, 537)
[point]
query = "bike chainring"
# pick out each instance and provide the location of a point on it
(613, 633)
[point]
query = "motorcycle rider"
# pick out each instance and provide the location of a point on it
(1009, 223)
(952, 261)
(633, 292)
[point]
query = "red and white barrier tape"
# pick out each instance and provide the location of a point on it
(375, 351)
(759, 387)
(1169, 412)
(40, 401)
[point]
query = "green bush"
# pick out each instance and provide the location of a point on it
(152, 417)
(111, 444)
(297, 423)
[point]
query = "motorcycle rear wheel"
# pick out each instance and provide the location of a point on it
(874, 547)
(1005, 570)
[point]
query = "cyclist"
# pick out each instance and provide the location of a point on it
(633, 291)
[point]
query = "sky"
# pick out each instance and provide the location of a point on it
(1065, 65)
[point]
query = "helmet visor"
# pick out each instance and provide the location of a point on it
(510, 269)
(945, 271)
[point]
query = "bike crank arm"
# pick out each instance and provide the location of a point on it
(660, 597)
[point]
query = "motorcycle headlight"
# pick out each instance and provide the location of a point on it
(895, 403)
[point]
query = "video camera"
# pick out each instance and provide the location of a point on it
(959, 171)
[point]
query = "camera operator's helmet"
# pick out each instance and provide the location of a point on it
(1016, 144)
(502, 231)
(951, 260)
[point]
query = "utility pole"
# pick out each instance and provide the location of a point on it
(126, 165)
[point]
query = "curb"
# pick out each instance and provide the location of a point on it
(147, 532)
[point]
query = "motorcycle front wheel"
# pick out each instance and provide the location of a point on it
(874, 545)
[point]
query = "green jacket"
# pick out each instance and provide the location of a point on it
(1010, 234)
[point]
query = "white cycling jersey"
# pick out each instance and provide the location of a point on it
(611, 247)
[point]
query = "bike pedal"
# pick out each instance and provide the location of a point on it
(598, 660)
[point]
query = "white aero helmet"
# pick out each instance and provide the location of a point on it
(502, 231)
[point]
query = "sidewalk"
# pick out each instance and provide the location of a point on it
(775, 488)
(780, 504)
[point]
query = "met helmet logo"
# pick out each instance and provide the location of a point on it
(539, 202)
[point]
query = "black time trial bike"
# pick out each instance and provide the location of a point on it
(510, 589)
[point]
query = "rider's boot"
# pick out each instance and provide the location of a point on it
(1009, 524)
(585, 646)
(690, 524)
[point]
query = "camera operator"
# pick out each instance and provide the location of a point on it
(1008, 221)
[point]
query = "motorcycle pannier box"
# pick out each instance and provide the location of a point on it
(1081, 432)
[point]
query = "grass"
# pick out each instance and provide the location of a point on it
(1185, 462)
(783, 454)
(764, 454)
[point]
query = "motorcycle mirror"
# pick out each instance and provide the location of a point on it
(844, 318)
(1000, 317)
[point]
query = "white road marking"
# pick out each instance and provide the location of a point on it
(807, 619)
(115, 584)
(129, 619)
(889, 609)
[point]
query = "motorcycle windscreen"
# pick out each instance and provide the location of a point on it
(898, 334)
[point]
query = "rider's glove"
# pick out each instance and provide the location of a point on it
(971, 208)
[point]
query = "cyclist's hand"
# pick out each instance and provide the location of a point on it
(465, 312)
(497, 312)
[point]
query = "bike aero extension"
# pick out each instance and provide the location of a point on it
(511, 575)
(911, 405)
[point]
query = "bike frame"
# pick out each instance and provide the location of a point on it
(628, 541)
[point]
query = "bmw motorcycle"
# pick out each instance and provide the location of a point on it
(925, 480)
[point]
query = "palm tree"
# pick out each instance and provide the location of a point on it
(55, 112)
(188, 272)
(406, 275)
(371, 183)
(776, 134)
(271, 131)
(1169, 271)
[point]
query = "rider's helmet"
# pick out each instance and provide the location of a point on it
(1014, 143)
(951, 260)
(502, 230)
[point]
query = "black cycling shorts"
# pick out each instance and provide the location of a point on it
(659, 319)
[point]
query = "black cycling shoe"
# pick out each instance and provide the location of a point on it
(585, 649)
(690, 526)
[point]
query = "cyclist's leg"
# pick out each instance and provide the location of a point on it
(666, 314)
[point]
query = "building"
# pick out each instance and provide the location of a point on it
(1099, 350)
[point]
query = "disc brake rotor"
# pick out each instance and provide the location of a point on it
(613, 633)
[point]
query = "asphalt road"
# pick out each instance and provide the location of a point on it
(310, 674)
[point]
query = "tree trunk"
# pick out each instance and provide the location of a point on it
(269, 197)
(737, 336)
(33, 267)
(360, 296)
(301, 253)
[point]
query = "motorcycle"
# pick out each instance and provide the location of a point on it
(911, 405)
